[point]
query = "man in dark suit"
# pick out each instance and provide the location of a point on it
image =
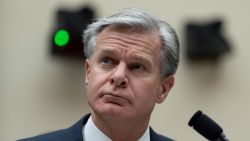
(131, 59)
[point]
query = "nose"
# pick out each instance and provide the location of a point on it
(119, 78)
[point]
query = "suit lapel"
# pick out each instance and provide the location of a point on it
(76, 130)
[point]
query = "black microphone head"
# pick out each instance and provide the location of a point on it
(205, 126)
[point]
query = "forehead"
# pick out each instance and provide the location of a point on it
(138, 40)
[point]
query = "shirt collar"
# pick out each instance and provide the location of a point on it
(92, 133)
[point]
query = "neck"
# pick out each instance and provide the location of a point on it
(121, 130)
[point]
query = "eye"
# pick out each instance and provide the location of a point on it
(107, 61)
(137, 66)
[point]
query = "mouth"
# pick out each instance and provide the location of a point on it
(115, 99)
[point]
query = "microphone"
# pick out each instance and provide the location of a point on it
(207, 127)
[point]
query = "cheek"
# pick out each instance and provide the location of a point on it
(146, 91)
(144, 98)
(92, 89)
(93, 83)
(96, 80)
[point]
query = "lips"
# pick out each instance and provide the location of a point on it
(115, 99)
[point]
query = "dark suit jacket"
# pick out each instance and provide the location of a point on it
(74, 133)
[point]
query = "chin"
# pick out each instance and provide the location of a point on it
(111, 111)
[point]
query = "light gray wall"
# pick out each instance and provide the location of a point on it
(40, 93)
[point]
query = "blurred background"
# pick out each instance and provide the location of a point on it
(41, 91)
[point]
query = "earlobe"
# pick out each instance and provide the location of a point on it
(166, 85)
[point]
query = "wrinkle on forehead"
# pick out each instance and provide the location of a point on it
(132, 40)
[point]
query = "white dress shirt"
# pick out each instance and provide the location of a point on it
(92, 133)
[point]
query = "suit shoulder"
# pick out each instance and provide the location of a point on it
(73, 133)
(157, 137)
(52, 136)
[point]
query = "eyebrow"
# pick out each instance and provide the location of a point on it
(108, 50)
(141, 59)
(131, 57)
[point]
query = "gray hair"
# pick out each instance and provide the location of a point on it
(138, 19)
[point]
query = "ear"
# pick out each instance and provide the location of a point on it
(87, 71)
(166, 84)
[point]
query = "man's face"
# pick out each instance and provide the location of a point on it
(123, 74)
